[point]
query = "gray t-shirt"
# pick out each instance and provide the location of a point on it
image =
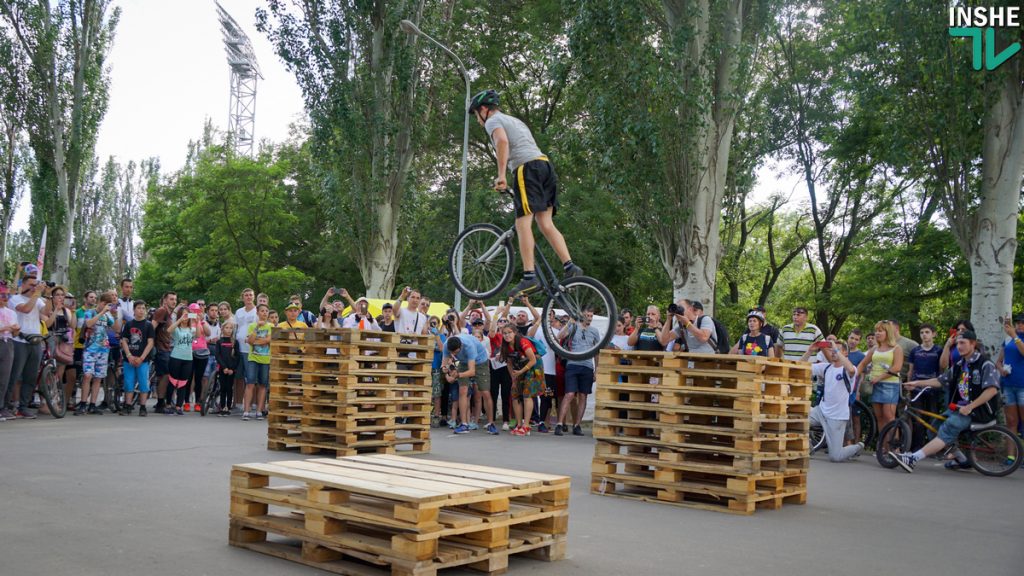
(582, 339)
(521, 146)
(692, 343)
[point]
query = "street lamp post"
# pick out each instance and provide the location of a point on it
(409, 28)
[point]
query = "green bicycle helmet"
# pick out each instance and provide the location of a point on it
(485, 98)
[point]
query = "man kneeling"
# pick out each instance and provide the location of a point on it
(833, 412)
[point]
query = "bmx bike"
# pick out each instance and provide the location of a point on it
(49, 387)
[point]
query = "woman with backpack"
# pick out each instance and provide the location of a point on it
(520, 356)
(754, 342)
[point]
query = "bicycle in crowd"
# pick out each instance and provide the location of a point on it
(49, 387)
(481, 264)
(868, 426)
(991, 448)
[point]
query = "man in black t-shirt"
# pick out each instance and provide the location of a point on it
(137, 340)
(387, 317)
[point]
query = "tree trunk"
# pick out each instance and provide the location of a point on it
(379, 268)
(992, 246)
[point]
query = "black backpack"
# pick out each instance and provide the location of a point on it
(720, 339)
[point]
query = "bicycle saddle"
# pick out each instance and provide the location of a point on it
(984, 426)
(35, 339)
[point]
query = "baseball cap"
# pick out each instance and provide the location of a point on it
(969, 335)
(387, 306)
(31, 270)
(193, 307)
(293, 306)
(1018, 318)
(362, 299)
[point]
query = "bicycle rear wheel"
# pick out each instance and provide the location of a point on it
(52, 392)
(479, 263)
(212, 393)
(110, 394)
(817, 438)
(868, 424)
(895, 437)
(994, 452)
(575, 298)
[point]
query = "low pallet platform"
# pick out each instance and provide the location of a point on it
(392, 515)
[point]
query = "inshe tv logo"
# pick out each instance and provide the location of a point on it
(975, 21)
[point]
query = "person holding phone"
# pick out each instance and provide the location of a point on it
(183, 334)
(96, 355)
(647, 336)
(1011, 369)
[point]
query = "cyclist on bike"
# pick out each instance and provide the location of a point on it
(535, 185)
(973, 382)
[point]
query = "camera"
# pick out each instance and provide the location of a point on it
(51, 284)
(674, 308)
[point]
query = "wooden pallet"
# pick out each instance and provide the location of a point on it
(384, 514)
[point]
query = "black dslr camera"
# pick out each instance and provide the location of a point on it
(674, 308)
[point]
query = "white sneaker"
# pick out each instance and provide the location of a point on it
(245, 416)
(504, 427)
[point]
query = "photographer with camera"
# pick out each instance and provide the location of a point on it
(360, 316)
(29, 307)
(646, 336)
(696, 329)
(465, 354)
(833, 412)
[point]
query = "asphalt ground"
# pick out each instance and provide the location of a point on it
(125, 495)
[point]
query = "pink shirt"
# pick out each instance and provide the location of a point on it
(7, 317)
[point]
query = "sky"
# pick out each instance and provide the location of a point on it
(169, 73)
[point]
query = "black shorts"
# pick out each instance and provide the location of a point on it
(77, 363)
(536, 188)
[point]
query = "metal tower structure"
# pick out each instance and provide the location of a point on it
(245, 72)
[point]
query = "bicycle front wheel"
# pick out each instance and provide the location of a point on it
(577, 298)
(817, 435)
(53, 392)
(895, 437)
(994, 452)
(480, 261)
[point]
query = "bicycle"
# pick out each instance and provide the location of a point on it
(859, 410)
(49, 387)
(991, 449)
(481, 263)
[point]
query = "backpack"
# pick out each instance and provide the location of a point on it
(720, 338)
(539, 344)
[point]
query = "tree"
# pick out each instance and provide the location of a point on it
(961, 130)
(66, 46)
(221, 224)
(361, 83)
(15, 162)
(662, 120)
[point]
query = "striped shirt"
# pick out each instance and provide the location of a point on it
(794, 343)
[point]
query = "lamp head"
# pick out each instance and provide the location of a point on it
(409, 28)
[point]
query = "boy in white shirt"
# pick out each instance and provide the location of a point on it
(833, 412)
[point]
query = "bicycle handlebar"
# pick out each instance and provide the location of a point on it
(921, 391)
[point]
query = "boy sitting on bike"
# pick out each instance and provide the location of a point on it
(536, 186)
(833, 412)
(973, 383)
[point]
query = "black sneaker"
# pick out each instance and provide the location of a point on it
(574, 271)
(79, 410)
(577, 430)
(525, 286)
(93, 410)
(558, 430)
(142, 411)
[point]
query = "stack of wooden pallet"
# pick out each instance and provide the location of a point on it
(347, 392)
(412, 517)
(726, 433)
